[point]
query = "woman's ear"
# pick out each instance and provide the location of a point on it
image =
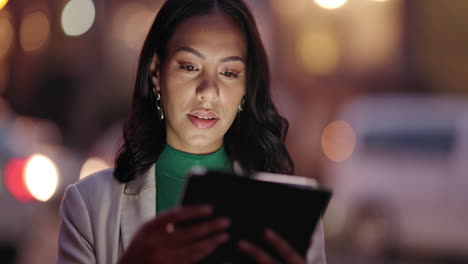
(154, 72)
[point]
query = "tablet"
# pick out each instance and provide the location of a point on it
(290, 208)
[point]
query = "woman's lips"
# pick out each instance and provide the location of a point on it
(202, 123)
(204, 113)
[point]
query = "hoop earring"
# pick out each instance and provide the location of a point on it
(241, 106)
(158, 104)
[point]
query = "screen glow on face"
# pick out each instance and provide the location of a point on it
(202, 82)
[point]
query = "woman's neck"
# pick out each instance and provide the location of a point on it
(195, 149)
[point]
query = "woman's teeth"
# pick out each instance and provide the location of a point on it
(206, 118)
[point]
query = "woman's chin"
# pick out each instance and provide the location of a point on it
(203, 144)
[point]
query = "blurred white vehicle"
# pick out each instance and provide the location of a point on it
(405, 186)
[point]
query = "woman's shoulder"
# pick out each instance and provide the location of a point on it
(99, 184)
(102, 177)
(90, 214)
(93, 197)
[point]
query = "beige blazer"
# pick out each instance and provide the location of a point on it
(99, 217)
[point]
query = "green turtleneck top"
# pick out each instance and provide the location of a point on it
(172, 167)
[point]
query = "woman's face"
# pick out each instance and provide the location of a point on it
(202, 82)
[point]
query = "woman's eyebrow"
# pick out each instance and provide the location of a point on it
(202, 56)
(233, 58)
(191, 50)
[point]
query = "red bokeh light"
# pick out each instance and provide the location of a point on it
(14, 180)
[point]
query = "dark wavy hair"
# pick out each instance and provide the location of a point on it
(255, 139)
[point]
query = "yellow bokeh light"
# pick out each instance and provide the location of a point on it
(3, 3)
(34, 31)
(338, 140)
(6, 34)
(290, 9)
(41, 177)
(318, 51)
(330, 4)
(93, 165)
(377, 47)
(78, 17)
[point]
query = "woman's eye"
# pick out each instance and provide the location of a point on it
(230, 74)
(187, 67)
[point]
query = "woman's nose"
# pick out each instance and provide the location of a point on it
(208, 89)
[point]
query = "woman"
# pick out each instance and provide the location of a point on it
(201, 98)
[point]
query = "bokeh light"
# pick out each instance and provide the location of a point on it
(41, 177)
(14, 180)
(28, 133)
(290, 9)
(78, 17)
(34, 31)
(93, 165)
(330, 4)
(369, 48)
(6, 34)
(131, 22)
(338, 140)
(318, 51)
(3, 3)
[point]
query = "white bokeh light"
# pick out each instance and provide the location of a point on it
(330, 4)
(41, 177)
(77, 17)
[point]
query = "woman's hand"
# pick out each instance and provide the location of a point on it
(159, 242)
(289, 255)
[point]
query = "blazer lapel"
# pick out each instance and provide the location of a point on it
(138, 205)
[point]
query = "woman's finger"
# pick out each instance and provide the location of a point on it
(203, 248)
(180, 215)
(256, 253)
(285, 250)
(200, 230)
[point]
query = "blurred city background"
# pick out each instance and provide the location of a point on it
(375, 92)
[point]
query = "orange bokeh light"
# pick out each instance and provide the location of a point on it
(338, 140)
